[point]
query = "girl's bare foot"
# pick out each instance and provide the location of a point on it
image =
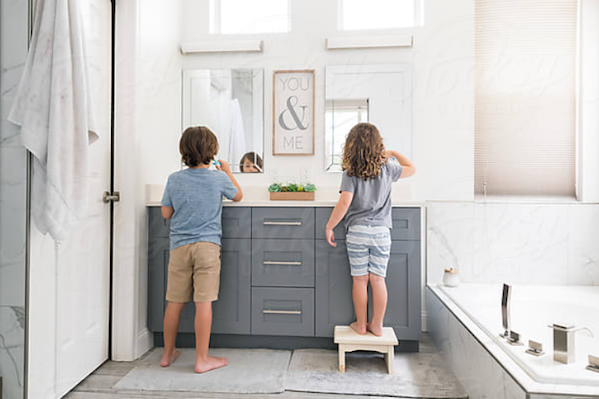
(357, 328)
(376, 330)
(169, 358)
(210, 363)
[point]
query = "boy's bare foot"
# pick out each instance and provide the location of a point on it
(169, 358)
(376, 330)
(357, 328)
(211, 363)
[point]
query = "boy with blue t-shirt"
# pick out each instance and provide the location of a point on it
(192, 200)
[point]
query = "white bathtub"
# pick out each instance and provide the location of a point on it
(533, 308)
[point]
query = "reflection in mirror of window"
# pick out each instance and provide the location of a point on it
(340, 116)
(377, 14)
(247, 17)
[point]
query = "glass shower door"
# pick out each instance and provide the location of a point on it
(14, 36)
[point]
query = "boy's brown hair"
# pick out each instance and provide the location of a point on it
(198, 145)
(363, 152)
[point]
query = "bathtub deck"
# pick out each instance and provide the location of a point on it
(479, 359)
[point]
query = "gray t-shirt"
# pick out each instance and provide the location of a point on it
(197, 197)
(371, 204)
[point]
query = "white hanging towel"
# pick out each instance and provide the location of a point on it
(53, 108)
(237, 147)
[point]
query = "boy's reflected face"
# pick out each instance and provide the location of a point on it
(249, 167)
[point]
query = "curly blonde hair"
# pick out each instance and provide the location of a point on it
(363, 152)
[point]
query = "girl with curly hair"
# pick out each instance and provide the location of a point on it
(365, 202)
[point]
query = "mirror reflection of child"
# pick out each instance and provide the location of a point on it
(250, 163)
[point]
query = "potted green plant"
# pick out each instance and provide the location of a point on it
(292, 192)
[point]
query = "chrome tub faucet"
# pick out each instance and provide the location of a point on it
(564, 350)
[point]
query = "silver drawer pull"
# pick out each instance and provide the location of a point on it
(272, 262)
(268, 311)
(282, 223)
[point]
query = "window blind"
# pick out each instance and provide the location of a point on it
(525, 97)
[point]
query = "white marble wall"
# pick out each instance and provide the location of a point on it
(13, 158)
(519, 243)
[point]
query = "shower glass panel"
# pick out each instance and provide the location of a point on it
(14, 22)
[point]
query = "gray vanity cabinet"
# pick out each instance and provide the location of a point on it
(282, 282)
(403, 287)
(334, 304)
(231, 313)
(158, 256)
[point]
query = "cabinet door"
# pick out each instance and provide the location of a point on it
(231, 313)
(406, 224)
(334, 304)
(322, 218)
(158, 256)
(403, 286)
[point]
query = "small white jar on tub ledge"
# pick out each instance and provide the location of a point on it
(451, 277)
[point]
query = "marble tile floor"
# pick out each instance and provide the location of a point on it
(99, 384)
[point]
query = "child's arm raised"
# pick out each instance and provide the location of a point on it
(408, 168)
(224, 166)
(338, 214)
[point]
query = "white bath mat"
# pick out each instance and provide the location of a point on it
(418, 375)
(249, 371)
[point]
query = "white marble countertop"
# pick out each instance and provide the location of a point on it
(259, 197)
(316, 203)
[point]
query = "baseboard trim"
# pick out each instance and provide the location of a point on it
(187, 340)
(144, 342)
(424, 325)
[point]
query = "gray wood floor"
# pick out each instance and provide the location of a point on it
(99, 385)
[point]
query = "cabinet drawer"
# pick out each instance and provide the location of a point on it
(157, 225)
(287, 263)
(322, 218)
(406, 224)
(283, 311)
(237, 222)
(283, 222)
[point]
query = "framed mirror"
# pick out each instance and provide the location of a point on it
(230, 103)
(379, 94)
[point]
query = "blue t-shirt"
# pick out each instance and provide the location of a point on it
(197, 197)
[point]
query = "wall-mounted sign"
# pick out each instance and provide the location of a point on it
(293, 112)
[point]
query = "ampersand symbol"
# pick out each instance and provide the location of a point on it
(291, 108)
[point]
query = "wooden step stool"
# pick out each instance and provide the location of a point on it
(349, 341)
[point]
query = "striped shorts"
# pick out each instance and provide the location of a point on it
(368, 249)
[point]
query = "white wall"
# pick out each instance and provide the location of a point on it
(148, 104)
(442, 59)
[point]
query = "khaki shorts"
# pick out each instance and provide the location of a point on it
(194, 267)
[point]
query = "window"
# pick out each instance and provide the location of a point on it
(247, 17)
(525, 97)
(340, 117)
(377, 14)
